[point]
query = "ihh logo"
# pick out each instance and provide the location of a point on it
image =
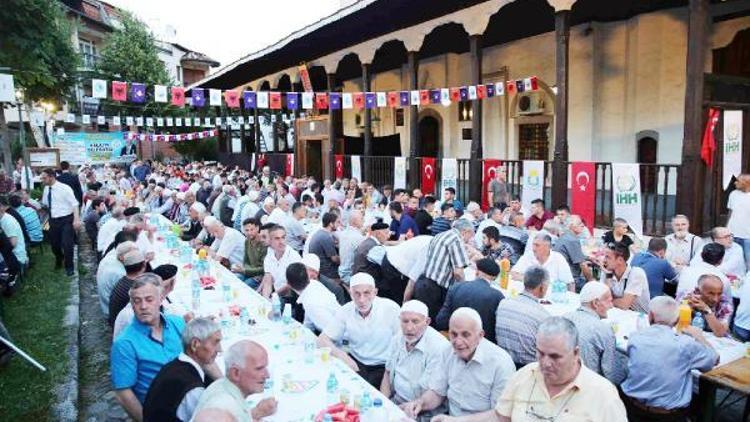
(626, 198)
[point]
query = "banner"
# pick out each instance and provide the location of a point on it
(94, 148)
(626, 193)
(428, 175)
(449, 173)
(7, 89)
(338, 166)
(290, 164)
(491, 167)
(356, 167)
(304, 76)
(399, 172)
(583, 192)
(732, 145)
(532, 186)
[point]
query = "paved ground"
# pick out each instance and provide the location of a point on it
(97, 399)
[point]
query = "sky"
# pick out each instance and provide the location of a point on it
(226, 30)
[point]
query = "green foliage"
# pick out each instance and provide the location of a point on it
(198, 149)
(35, 44)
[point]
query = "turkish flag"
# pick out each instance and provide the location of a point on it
(393, 99)
(583, 188)
(709, 143)
(359, 100)
(290, 164)
(321, 100)
(274, 99)
(232, 98)
(178, 96)
(428, 175)
(491, 167)
(338, 161)
(119, 91)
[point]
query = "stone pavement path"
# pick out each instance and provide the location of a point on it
(97, 399)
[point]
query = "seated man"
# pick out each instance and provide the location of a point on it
(135, 265)
(229, 244)
(149, 343)
(658, 270)
(711, 256)
(470, 376)
(733, 264)
(369, 323)
(13, 231)
(629, 284)
(659, 385)
(251, 270)
(708, 300)
(30, 218)
(278, 257)
(193, 225)
(542, 255)
(176, 389)
(682, 245)
(444, 221)
(569, 246)
(558, 384)
(246, 370)
(492, 246)
(478, 295)
(416, 354)
(518, 318)
(111, 270)
(598, 345)
(319, 303)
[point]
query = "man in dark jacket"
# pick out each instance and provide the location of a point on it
(71, 180)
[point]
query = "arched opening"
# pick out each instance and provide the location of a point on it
(647, 154)
(429, 135)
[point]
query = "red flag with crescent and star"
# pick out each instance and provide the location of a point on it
(428, 175)
(491, 167)
(583, 188)
(338, 162)
(290, 164)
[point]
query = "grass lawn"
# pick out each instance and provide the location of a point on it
(34, 317)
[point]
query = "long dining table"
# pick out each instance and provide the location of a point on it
(299, 369)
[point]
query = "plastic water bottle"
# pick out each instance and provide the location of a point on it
(365, 405)
(558, 292)
(309, 350)
(227, 291)
(268, 388)
(698, 321)
(275, 307)
(196, 292)
(377, 413)
(332, 389)
(641, 322)
(244, 318)
(286, 317)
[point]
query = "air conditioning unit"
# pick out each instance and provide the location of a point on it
(530, 103)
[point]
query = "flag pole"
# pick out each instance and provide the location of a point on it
(22, 353)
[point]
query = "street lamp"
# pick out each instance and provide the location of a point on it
(22, 136)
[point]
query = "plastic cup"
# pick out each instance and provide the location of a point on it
(325, 354)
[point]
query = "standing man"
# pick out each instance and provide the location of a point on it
(739, 214)
(71, 180)
(323, 244)
(423, 216)
(62, 205)
(497, 190)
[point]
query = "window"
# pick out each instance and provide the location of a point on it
(533, 140)
(178, 72)
(88, 53)
(465, 111)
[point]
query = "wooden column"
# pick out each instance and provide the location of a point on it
(475, 165)
(560, 157)
(692, 171)
(256, 130)
(415, 146)
(368, 124)
(332, 114)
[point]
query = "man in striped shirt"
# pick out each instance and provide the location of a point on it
(446, 260)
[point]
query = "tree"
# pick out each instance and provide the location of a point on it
(35, 44)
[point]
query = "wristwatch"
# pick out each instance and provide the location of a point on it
(708, 311)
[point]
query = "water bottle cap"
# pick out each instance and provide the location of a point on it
(377, 403)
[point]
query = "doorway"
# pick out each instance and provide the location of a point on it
(313, 159)
(429, 136)
(647, 151)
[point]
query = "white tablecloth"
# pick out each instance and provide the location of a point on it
(284, 343)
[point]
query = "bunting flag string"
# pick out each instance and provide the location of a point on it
(167, 121)
(175, 137)
(138, 93)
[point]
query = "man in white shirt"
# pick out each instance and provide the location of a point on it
(369, 323)
(710, 263)
(494, 219)
(682, 246)
(349, 240)
(629, 284)
(733, 264)
(543, 256)
(742, 313)
(739, 214)
(416, 355)
(229, 244)
(278, 258)
(13, 231)
(280, 213)
(64, 219)
(319, 303)
(110, 228)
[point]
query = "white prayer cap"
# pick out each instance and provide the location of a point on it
(180, 196)
(312, 261)
(361, 279)
(467, 313)
(592, 290)
(252, 195)
(210, 221)
(416, 307)
(473, 206)
(268, 201)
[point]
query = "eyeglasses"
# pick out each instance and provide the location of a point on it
(531, 413)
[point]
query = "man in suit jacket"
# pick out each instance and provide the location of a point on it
(71, 180)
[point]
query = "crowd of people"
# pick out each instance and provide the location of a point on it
(442, 347)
